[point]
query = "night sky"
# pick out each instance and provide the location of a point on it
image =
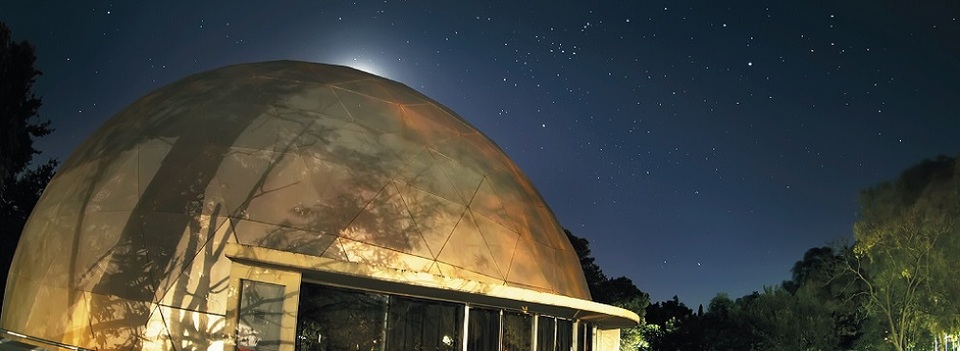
(700, 147)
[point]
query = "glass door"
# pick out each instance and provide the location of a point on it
(263, 308)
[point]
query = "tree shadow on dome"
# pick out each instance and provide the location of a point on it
(175, 230)
(235, 157)
(146, 251)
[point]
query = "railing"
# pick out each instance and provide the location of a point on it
(28, 342)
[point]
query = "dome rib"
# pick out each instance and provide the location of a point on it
(314, 159)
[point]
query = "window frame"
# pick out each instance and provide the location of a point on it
(289, 279)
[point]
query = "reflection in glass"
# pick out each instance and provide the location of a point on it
(564, 335)
(336, 319)
(585, 337)
(483, 333)
(546, 330)
(423, 325)
(261, 306)
(331, 319)
(517, 331)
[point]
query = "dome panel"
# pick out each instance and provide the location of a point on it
(385, 90)
(99, 236)
(271, 131)
(336, 251)
(500, 241)
(428, 124)
(311, 99)
(117, 190)
(156, 335)
(239, 175)
(46, 299)
(144, 256)
(424, 172)
(113, 317)
(323, 137)
(435, 217)
(280, 197)
(528, 265)
(461, 149)
(199, 333)
(466, 249)
(150, 155)
(202, 286)
(464, 179)
(340, 196)
(486, 202)
(380, 115)
(65, 201)
(386, 222)
(318, 160)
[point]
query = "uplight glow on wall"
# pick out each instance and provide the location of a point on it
(297, 206)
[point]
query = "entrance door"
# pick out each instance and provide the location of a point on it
(263, 308)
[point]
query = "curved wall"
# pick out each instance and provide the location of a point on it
(317, 160)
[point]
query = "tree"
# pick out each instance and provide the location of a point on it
(671, 325)
(783, 321)
(723, 326)
(20, 185)
(591, 271)
(18, 105)
(905, 254)
(620, 292)
(821, 277)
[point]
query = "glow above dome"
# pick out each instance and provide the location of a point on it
(314, 159)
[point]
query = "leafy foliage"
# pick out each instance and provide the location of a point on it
(816, 310)
(671, 325)
(895, 288)
(905, 255)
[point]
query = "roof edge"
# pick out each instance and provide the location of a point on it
(359, 275)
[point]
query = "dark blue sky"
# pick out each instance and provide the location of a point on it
(701, 147)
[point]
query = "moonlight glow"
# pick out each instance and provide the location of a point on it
(365, 64)
(672, 132)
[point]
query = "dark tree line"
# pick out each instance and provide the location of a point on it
(894, 288)
(21, 181)
(620, 291)
(815, 310)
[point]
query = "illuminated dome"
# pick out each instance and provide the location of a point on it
(286, 164)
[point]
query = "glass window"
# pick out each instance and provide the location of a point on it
(546, 330)
(336, 319)
(261, 308)
(483, 333)
(331, 319)
(517, 331)
(585, 337)
(423, 325)
(564, 335)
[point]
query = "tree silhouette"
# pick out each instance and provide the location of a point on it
(620, 292)
(153, 262)
(20, 185)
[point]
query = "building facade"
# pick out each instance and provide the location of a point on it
(296, 206)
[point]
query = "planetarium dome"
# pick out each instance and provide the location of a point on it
(228, 209)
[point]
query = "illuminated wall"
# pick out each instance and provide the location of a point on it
(129, 247)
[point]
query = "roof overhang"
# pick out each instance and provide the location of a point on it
(365, 276)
